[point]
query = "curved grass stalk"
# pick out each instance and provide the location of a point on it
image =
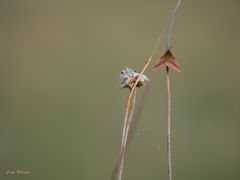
(170, 25)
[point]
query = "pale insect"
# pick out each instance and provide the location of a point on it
(128, 78)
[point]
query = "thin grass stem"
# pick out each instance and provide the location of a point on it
(170, 25)
(126, 128)
(169, 144)
(127, 119)
(132, 125)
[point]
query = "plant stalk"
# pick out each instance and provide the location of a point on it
(127, 124)
(170, 25)
(169, 124)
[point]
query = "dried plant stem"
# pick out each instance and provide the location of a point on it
(127, 123)
(135, 85)
(127, 119)
(137, 114)
(133, 120)
(130, 118)
(170, 25)
(169, 144)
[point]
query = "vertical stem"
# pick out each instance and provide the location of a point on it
(130, 118)
(126, 128)
(169, 148)
(133, 120)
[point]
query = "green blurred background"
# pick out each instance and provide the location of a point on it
(62, 106)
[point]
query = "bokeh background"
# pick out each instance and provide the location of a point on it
(62, 106)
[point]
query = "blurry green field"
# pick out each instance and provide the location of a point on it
(62, 106)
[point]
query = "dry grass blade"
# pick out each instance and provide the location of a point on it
(137, 115)
(119, 168)
(169, 148)
(172, 18)
(132, 125)
(135, 85)
(127, 120)
(125, 136)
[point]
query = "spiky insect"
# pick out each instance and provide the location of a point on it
(128, 78)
